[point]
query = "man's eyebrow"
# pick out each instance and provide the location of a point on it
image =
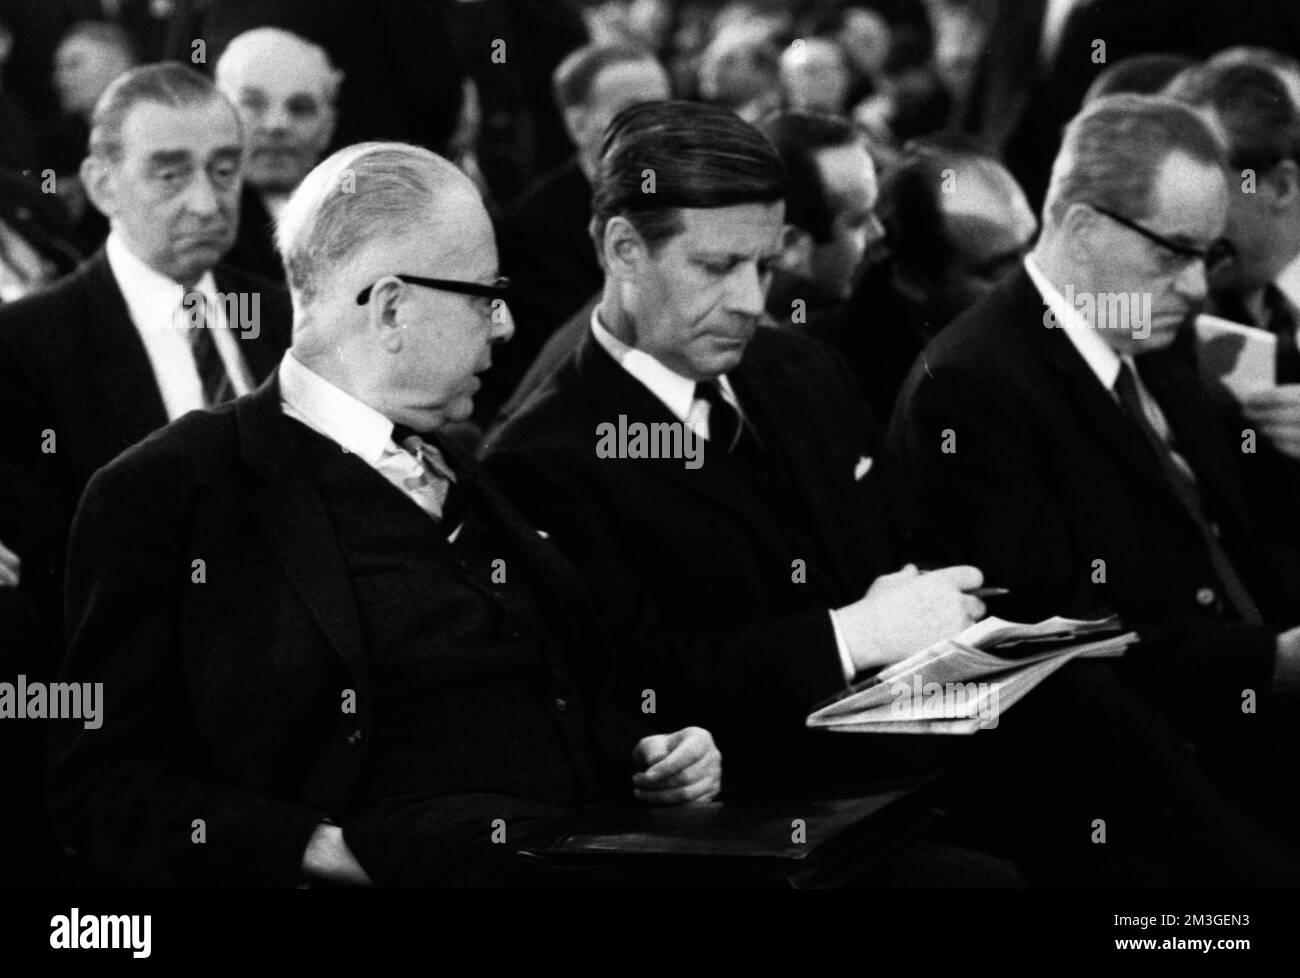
(169, 157)
(226, 151)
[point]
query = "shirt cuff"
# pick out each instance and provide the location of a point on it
(846, 660)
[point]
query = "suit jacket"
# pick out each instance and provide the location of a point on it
(1015, 458)
(690, 566)
(254, 248)
(222, 698)
(72, 364)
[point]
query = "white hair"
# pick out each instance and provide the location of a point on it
(357, 195)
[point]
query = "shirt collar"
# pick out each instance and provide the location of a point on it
(333, 412)
(152, 299)
(1288, 282)
(1103, 361)
(676, 392)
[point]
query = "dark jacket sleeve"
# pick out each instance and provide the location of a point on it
(767, 671)
(129, 794)
(987, 501)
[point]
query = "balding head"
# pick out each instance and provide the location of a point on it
(285, 89)
(354, 237)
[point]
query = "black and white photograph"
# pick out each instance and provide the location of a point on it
(610, 464)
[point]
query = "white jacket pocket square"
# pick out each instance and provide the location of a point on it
(861, 469)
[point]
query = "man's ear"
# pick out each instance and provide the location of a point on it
(1078, 225)
(796, 251)
(384, 323)
(624, 248)
(97, 180)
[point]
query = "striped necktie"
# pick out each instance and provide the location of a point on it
(216, 383)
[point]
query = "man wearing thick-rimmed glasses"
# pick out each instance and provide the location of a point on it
(1073, 456)
(332, 651)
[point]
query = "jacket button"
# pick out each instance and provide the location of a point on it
(1205, 596)
(354, 738)
(561, 704)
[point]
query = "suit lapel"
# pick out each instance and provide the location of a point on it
(775, 416)
(293, 520)
(1096, 407)
(614, 392)
(121, 372)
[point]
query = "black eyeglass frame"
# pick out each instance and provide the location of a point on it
(498, 290)
(1183, 251)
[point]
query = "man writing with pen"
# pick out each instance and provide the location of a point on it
(764, 581)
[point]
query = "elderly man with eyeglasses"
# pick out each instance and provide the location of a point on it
(1074, 456)
(332, 652)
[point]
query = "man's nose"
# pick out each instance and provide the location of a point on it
(747, 293)
(503, 322)
(202, 197)
(1193, 282)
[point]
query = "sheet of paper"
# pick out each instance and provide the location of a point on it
(1241, 358)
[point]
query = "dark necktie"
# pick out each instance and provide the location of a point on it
(731, 434)
(1281, 324)
(217, 388)
(1188, 493)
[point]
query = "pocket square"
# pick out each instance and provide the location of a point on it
(861, 469)
(543, 534)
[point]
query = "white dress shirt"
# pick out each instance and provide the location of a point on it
(1288, 283)
(154, 303)
(358, 429)
(1100, 357)
(678, 395)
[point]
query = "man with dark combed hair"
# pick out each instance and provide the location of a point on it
(740, 550)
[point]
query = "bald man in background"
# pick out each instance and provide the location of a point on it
(955, 224)
(285, 89)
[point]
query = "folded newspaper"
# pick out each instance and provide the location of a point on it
(963, 684)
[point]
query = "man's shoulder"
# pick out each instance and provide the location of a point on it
(192, 448)
(41, 322)
(550, 415)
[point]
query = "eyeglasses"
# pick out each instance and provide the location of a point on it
(1186, 252)
(500, 289)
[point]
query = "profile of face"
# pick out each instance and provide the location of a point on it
(1257, 214)
(287, 105)
(83, 69)
(814, 76)
(989, 229)
(434, 344)
(174, 194)
(614, 89)
(694, 303)
(1190, 208)
(849, 184)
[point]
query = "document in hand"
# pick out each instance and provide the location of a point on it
(1241, 358)
(963, 684)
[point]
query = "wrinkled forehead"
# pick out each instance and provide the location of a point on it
(152, 129)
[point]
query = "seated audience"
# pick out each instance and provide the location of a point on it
(956, 224)
(1050, 435)
(407, 681)
(151, 327)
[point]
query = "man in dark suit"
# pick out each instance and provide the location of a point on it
(1051, 435)
(330, 650)
(1258, 282)
(748, 573)
(545, 246)
(94, 364)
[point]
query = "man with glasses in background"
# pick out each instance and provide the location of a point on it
(1051, 437)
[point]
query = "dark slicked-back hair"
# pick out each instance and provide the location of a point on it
(168, 83)
(798, 138)
(1253, 106)
(658, 157)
